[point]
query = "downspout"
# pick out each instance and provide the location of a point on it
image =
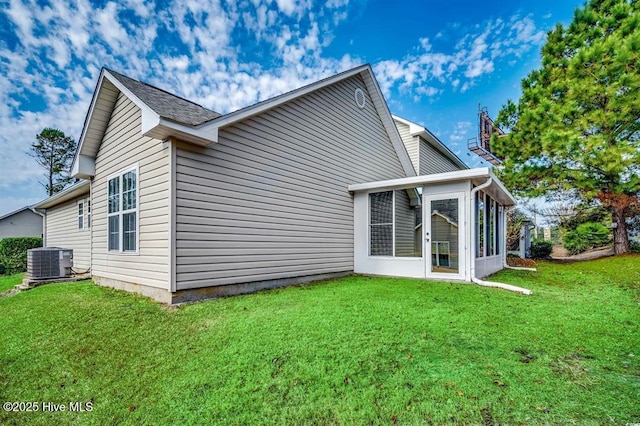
(43, 214)
(473, 248)
(517, 268)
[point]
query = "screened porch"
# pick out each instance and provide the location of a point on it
(444, 226)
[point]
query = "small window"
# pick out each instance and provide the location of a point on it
(122, 216)
(80, 215)
(88, 223)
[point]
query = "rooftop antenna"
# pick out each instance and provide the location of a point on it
(481, 145)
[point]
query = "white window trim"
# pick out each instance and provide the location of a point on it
(87, 213)
(393, 225)
(135, 167)
(79, 216)
(393, 232)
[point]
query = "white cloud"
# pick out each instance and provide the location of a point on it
(60, 48)
(479, 67)
(429, 72)
(287, 6)
(50, 72)
(110, 29)
(460, 131)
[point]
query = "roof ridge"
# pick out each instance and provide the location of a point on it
(159, 89)
(288, 92)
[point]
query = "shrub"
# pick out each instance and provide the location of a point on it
(541, 249)
(635, 246)
(13, 253)
(586, 236)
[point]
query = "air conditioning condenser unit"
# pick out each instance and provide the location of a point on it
(49, 262)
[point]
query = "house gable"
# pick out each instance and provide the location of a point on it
(428, 154)
(162, 115)
(165, 116)
(269, 200)
(375, 97)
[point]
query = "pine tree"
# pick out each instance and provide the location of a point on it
(576, 125)
(54, 151)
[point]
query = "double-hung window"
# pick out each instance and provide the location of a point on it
(88, 212)
(80, 214)
(122, 211)
(84, 214)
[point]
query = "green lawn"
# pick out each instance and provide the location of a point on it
(7, 282)
(356, 350)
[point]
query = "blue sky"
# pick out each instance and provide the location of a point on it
(435, 60)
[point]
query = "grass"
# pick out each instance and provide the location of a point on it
(356, 350)
(7, 282)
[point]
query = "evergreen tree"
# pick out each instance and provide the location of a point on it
(577, 123)
(54, 152)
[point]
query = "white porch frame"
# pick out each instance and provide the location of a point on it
(442, 186)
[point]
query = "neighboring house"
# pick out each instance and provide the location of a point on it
(187, 203)
(24, 222)
(522, 246)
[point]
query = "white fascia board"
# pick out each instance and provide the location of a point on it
(497, 182)
(150, 118)
(87, 119)
(268, 104)
(423, 180)
(67, 194)
(390, 126)
(153, 125)
(418, 130)
(414, 129)
(410, 182)
(200, 136)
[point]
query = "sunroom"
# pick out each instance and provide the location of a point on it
(445, 226)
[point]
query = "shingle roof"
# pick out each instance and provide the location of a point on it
(165, 104)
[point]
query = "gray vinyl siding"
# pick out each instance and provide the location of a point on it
(433, 161)
(404, 225)
(123, 146)
(62, 231)
(269, 200)
(22, 224)
(410, 143)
